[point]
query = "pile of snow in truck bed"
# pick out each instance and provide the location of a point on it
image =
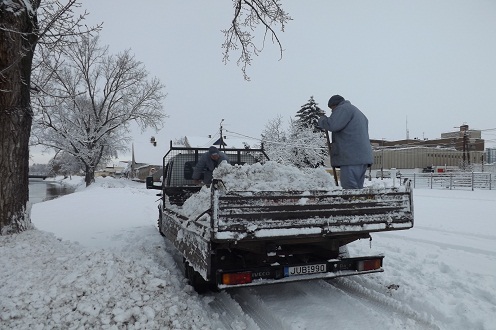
(273, 176)
(270, 176)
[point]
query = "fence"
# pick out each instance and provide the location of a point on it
(453, 180)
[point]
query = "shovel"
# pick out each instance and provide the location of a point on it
(329, 148)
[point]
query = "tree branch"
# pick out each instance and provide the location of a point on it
(248, 14)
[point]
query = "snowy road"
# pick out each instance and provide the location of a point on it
(317, 305)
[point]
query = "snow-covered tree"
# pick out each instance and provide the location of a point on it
(65, 164)
(91, 100)
(39, 169)
(308, 146)
(309, 114)
(297, 145)
(26, 27)
(275, 141)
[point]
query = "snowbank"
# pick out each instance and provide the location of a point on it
(99, 263)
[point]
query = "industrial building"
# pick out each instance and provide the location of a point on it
(463, 149)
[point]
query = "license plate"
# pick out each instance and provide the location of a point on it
(304, 270)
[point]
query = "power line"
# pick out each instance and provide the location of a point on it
(280, 143)
(246, 136)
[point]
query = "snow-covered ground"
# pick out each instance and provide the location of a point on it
(97, 261)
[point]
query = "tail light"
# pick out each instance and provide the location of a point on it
(371, 264)
(236, 278)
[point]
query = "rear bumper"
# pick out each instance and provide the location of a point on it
(278, 274)
(300, 278)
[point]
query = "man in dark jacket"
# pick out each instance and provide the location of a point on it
(351, 150)
(207, 163)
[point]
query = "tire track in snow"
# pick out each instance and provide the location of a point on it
(228, 312)
(381, 301)
(316, 304)
(253, 306)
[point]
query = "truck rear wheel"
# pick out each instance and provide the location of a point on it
(195, 279)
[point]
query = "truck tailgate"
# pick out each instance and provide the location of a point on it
(242, 215)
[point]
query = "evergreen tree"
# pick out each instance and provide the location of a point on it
(309, 114)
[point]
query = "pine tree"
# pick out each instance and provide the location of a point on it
(309, 114)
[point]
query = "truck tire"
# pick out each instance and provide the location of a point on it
(195, 279)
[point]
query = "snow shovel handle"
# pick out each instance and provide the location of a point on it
(333, 167)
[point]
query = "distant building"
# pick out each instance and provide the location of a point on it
(421, 157)
(462, 140)
(148, 170)
(461, 148)
(113, 171)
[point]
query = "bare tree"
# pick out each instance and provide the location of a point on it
(275, 141)
(28, 23)
(90, 101)
(23, 26)
(248, 15)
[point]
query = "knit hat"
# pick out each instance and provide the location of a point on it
(335, 100)
(213, 151)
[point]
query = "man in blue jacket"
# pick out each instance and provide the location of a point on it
(207, 163)
(351, 150)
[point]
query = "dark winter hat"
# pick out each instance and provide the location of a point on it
(335, 100)
(213, 151)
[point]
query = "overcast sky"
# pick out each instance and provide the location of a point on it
(426, 66)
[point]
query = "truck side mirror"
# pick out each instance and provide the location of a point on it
(149, 182)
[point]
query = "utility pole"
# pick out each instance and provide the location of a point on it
(468, 149)
(221, 140)
(465, 146)
(382, 160)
